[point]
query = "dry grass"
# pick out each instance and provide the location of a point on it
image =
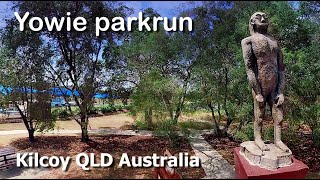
(111, 121)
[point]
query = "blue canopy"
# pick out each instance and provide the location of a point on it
(56, 91)
(62, 91)
(4, 90)
(101, 96)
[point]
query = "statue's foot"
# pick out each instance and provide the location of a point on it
(282, 146)
(261, 145)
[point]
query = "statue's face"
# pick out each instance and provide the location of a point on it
(260, 20)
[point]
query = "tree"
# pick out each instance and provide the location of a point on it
(23, 60)
(77, 65)
(161, 64)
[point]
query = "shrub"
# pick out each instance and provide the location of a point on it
(64, 114)
(195, 125)
(316, 136)
(109, 108)
(168, 128)
(141, 125)
(105, 109)
(93, 110)
(246, 133)
(290, 137)
(61, 113)
(268, 133)
(119, 107)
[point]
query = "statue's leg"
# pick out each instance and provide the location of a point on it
(277, 115)
(259, 111)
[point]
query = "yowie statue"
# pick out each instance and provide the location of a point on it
(265, 70)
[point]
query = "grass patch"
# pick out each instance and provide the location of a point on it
(196, 125)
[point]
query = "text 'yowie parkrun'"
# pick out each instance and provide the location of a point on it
(103, 23)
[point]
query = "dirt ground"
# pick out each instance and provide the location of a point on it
(302, 150)
(116, 145)
(110, 121)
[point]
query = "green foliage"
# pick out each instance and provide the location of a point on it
(105, 109)
(157, 93)
(289, 136)
(246, 133)
(196, 125)
(46, 125)
(168, 129)
(268, 133)
(109, 108)
(141, 125)
(61, 113)
(316, 136)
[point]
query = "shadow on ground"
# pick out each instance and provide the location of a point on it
(11, 172)
(21, 173)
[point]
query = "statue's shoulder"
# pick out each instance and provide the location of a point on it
(246, 41)
(271, 37)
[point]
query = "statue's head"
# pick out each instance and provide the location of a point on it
(258, 23)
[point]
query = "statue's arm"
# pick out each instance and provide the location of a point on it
(281, 69)
(250, 64)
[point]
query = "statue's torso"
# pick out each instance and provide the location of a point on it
(265, 50)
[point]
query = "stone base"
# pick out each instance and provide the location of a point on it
(272, 159)
(245, 170)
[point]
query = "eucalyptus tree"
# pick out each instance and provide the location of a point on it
(77, 64)
(22, 76)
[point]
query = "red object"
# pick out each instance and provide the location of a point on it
(244, 170)
(161, 173)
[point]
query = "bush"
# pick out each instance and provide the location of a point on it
(246, 133)
(141, 125)
(118, 107)
(195, 125)
(168, 128)
(128, 107)
(108, 108)
(289, 136)
(316, 136)
(61, 113)
(93, 110)
(105, 110)
(268, 133)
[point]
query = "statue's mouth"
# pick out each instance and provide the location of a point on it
(263, 24)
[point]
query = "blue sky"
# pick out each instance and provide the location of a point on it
(164, 8)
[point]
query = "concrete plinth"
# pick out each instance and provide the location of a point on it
(245, 170)
(272, 159)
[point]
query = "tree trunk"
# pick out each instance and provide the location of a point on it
(84, 128)
(125, 101)
(219, 113)
(31, 135)
(216, 124)
(28, 126)
(148, 117)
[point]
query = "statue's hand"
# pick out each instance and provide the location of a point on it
(279, 100)
(260, 99)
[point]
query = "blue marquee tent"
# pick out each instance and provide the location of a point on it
(56, 91)
(101, 96)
